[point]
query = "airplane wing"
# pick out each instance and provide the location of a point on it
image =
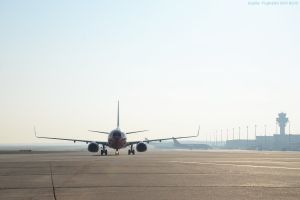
(162, 139)
(67, 139)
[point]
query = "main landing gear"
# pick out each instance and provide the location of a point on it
(131, 150)
(103, 151)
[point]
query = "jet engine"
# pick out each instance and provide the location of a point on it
(93, 147)
(141, 147)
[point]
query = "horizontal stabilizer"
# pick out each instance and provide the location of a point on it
(99, 132)
(136, 131)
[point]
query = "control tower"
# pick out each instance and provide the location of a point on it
(282, 121)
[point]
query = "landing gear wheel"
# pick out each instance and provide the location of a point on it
(103, 152)
(131, 150)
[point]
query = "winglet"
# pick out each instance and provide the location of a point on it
(35, 132)
(198, 131)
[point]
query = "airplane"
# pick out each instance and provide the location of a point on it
(116, 140)
(190, 146)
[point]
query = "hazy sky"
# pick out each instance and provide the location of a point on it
(172, 64)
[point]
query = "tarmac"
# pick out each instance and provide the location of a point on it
(153, 175)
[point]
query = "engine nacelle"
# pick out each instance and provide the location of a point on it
(141, 147)
(93, 147)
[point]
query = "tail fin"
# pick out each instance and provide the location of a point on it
(118, 122)
(176, 143)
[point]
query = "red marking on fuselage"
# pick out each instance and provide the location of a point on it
(117, 143)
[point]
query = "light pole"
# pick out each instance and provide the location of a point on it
(289, 134)
(255, 135)
(265, 134)
(216, 138)
(247, 136)
(226, 135)
(221, 137)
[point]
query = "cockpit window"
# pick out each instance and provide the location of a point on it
(117, 134)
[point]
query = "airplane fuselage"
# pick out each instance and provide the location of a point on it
(117, 139)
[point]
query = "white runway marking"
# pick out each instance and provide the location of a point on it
(236, 165)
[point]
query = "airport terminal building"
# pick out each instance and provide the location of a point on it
(278, 142)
